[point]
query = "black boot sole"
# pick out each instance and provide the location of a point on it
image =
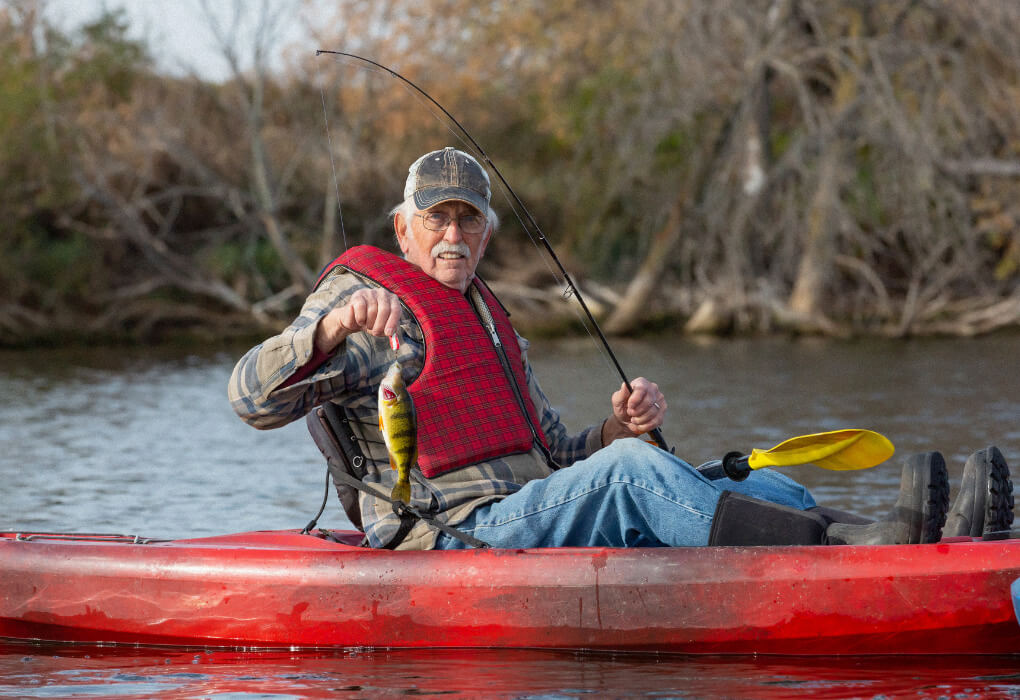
(999, 496)
(931, 468)
(977, 498)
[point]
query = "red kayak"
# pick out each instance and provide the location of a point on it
(286, 589)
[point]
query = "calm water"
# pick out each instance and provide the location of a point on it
(37, 672)
(142, 441)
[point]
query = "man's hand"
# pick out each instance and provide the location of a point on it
(635, 412)
(375, 311)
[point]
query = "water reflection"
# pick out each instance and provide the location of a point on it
(43, 671)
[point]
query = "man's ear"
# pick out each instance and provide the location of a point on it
(485, 243)
(400, 228)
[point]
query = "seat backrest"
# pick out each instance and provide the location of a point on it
(331, 430)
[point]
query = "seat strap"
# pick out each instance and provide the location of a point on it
(345, 463)
(407, 513)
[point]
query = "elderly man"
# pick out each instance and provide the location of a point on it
(495, 460)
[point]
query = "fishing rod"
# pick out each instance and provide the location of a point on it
(656, 433)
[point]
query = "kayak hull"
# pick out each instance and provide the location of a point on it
(285, 589)
(1015, 590)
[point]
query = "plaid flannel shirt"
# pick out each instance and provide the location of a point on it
(263, 393)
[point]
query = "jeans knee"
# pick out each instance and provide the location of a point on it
(635, 450)
(634, 461)
(623, 456)
(770, 485)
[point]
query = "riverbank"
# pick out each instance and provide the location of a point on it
(740, 199)
(537, 311)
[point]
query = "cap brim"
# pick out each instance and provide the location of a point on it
(431, 196)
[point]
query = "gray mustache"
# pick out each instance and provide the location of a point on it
(447, 247)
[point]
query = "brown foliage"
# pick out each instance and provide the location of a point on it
(831, 167)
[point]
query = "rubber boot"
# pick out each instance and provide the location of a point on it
(833, 515)
(984, 504)
(919, 513)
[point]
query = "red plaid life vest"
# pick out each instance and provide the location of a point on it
(466, 407)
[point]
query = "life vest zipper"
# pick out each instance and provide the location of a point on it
(481, 310)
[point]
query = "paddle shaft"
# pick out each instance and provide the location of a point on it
(733, 465)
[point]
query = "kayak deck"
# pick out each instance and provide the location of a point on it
(285, 589)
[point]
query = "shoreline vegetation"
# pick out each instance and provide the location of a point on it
(836, 169)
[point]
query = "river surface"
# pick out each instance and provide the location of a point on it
(143, 441)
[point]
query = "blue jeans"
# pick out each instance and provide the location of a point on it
(629, 494)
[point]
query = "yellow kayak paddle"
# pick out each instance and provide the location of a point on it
(837, 450)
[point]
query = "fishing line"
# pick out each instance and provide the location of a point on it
(656, 434)
(329, 145)
(470, 148)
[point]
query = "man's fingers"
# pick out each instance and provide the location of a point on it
(355, 312)
(371, 313)
(645, 406)
(350, 313)
(378, 315)
(637, 409)
(387, 315)
(393, 320)
(619, 400)
(638, 400)
(645, 398)
(374, 311)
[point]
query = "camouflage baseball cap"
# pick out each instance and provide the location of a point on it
(445, 175)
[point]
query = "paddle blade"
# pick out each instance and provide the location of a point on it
(838, 450)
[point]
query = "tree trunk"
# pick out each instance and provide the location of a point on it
(632, 310)
(818, 259)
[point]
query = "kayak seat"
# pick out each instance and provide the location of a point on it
(351, 446)
(333, 432)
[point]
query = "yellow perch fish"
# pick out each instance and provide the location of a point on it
(399, 427)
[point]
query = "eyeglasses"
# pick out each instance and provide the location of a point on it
(440, 221)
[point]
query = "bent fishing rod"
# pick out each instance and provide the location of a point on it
(656, 433)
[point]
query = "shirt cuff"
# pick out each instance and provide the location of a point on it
(315, 358)
(593, 440)
(304, 358)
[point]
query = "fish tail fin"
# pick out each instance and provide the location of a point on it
(402, 491)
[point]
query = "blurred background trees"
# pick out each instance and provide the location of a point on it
(728, 166)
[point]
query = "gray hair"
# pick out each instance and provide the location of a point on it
(408, 209)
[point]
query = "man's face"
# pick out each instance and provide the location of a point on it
(449, 256)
